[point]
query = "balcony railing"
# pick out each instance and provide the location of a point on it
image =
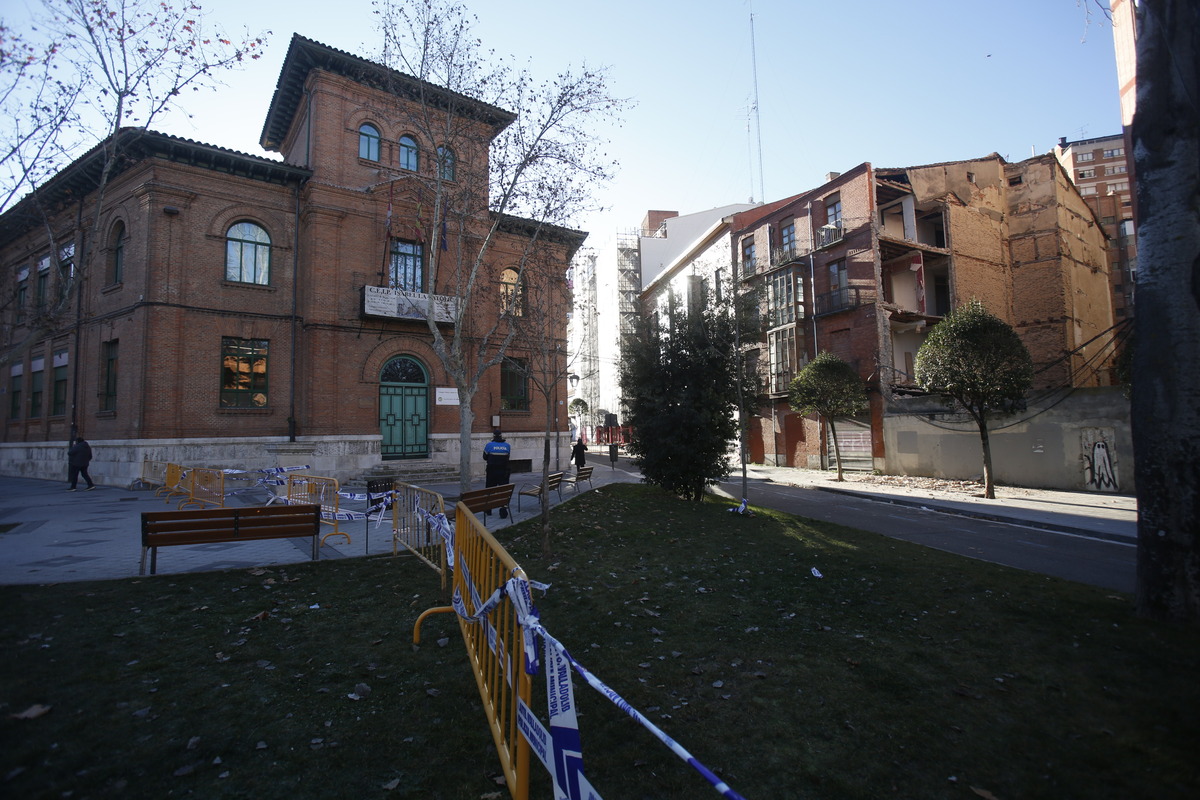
(829, 234)
(842, 299)
(785, 255)
(748, 267)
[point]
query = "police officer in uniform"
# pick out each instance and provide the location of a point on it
(496, 453)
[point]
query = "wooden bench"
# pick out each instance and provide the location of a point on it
(489, 499)
(553, 484)
(581, 474)
(211, 525)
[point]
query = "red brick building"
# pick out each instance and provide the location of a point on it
(238, 311)
(865, 264)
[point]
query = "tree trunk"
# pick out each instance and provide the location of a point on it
(466, 422)
(985, 441)
(547, 550)
(837, 449)
(1166, 362)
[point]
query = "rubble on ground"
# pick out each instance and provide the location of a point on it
(919, 482)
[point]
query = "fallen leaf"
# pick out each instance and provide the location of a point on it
(33, 712)
(984, 793)
(390, 785)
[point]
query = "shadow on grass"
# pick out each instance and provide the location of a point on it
(900, 671)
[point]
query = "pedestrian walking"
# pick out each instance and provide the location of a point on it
(79, 455)
(577, 454)
(496, 453)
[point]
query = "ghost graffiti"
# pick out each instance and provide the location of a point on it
(1099, 469)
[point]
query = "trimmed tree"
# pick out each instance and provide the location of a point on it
(680, 393)
(831, 388)
(976, 361)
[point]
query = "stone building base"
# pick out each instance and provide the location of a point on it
(119, 462)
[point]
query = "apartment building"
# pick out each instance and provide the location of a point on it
(865, 264)
(1102, 170)
(239, 311)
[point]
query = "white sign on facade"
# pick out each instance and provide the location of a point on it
(399, 304)
(446, 397)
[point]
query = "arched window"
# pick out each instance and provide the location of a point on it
(408, 153)
(368, 142)
(446, 163)
(247, 254)
(511, 293)
(116, 258)
(403, 369)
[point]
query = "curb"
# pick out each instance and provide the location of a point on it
(929, 505)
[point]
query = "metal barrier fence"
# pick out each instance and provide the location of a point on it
(318, 491)
(494, 639)
(174, 483)
(494, 605)
(412, 508)
(154, 475)
(206, 487)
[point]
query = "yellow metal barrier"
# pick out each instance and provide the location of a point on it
(494, 644)
(154, 475)
(411, 507)
(318, 491)
(175, 484)
(206, 487)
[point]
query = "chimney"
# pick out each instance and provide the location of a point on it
(831, 175)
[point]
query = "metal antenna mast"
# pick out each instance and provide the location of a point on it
(757, 120)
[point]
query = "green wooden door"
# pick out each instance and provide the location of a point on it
(403, 409)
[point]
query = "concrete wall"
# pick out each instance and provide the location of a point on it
(1080, 442)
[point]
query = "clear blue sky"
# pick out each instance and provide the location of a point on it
(893, 82)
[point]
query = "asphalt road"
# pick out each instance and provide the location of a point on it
(1099, 562)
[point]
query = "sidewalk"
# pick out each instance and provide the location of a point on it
(1099, 515)
(58, 536)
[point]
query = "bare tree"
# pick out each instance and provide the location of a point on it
(36, 106)
(99, 67)
(1166, 361)
(503, 181)
(540, 304)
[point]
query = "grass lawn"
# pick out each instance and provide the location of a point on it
(902, 672)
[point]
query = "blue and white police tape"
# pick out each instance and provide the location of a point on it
(561, 747)
(264, 470)
(533, 623)
(744, 508)
(341, 516)
(441, 526)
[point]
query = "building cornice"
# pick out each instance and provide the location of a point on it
(305, 55)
